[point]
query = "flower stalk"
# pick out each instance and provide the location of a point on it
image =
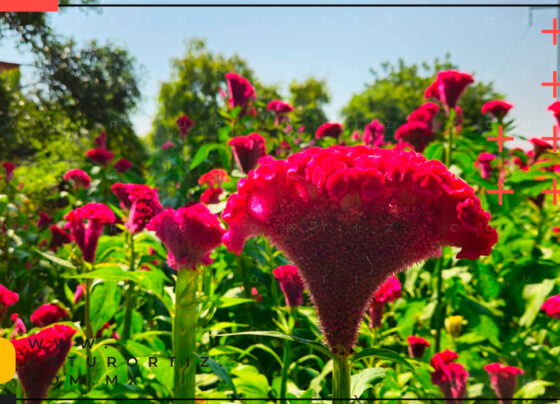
(89, 331)
(286, 357)
(341, 379)
(129, 298)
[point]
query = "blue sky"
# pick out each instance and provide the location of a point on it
(338, 44)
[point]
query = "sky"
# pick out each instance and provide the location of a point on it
(338, 44)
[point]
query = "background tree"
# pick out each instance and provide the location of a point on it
(309, 98)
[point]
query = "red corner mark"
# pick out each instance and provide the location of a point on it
(500, 139)
(554, 84)
(554, 191)
(500, 191)
(554, 31)
(28, 5)
(553, 138)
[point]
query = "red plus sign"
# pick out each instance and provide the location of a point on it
(554, 191)
(554, 138)
(554, 31)
(554, 84)
(500, 138)
(500, 191)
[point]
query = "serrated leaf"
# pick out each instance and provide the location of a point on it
(365, 379)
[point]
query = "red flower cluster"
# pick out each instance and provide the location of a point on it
(247, 150)
(540, 147)
(87, 235)
(504, 380)
(9, 168)
(48, 314)
(449, 376)
(101, 140)
(123, 165)
(281, 109)
(424, 113)
(141, 201)
(40, 356)
(290, 283)
(185, 124)
(484, 162)
(555, 109)
(44, 220)
(497, 108)
(213, 178)
(78, 177)
(190, 234)
(7, 297)
(312, 203)
(58, 237)
(19, 325)
(211, 196)
(373, 133)
(168, 145)
(417, 133)
(329, 129)
(448, 87)
(387, 292)
(552, 307)
(100, 155)
(241, 92)
(417, 346)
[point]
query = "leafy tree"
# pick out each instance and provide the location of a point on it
(309, 97)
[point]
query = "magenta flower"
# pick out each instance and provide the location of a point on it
(281, 110)
(101, 140)
(417, 133)
(424, 113)
(326, 208)
(79, 293)
(185, 124)
(190, 234)
(168, 145)
(497, 108)
(7, 299)
(484, 162)
(449, 376)
(329, 129)
(373, 133)
(100, 155)
(86, 225)
(48, 314)
(78, 177)
(40, 356)
(290, 283)
(504, 380)
(241, 92)
(214, 178)
(123, 165)
(387, 292)
(141, 202)
(211, 196)
(9, 168)
(19, 325)
(539, 147)
(552, 307)
(417, 346)
(58, 238)
(247, 150)
(44, 220)
(448, 87)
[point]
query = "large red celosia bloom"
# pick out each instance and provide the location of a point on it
(100, 155)
(449, 376)
(416, 346)
(504, 380)
(329, 129)
(241, 92)
(448, 87)
(211, 196)
(141, 202)
(214, 178)
(424, 113)
(373, 133)
(7, 297)
(58, 237)
(86, 235)
(555, 109)
(40, 356)
(190, 234)
(417, 133)
(290, 283)
(48, 314)
(552, 307)
(9, 168)
(247, 150)
(123, 165)
(497, 108)
(326, 209)
(79, 178)
(387, 292)
(185, 124)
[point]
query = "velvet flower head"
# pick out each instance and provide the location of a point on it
(497, 108)
(552, 307)
(387, 292)
(122, 165)
(424, 113)
(48, 314)
(184, 123)
(449, 376)
(504, 380)
(448, 87)
(9, 168)
(214, 178)
(100, 155)
(7, 297)
(79, 178)
(417, 346)
(290, 283)
(329, 129)
(349, 217)
(58, 237)
(247, 150)
(373, 133)
(141, 202)
(241, 92)
(417, 133)
(555, 109)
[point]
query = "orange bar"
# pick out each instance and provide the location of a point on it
(28, 5)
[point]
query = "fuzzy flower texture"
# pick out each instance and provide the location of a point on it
(141, 202)
(349, 217)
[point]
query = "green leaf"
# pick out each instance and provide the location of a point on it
(365, 379)
(533, 389)
(383, 354)
(434, 151)
(203, 152)
(274, 334)
(56, 260)
(250, 382)
(535, 294)
(105, 302)
(221, 372)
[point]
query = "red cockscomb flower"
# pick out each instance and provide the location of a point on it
(247, 150)
(190, 234)
(58, 237)
(211, 196)
(7, 298)
(40, 356)
(424, 113)
(19, 325)
(417, 133)
(185, 124)
(552, 307)
(100, 155)
(168, 145)
(290, 283)
(326, 208)
(373, 134)
(329, 129)
(79, 293)
(123, 165)
(555, 108)
(78, 177)
(387, 292)
(141, 202)
(48, 314)
(9, 168)
(449, 376)
(44, 220)
(448, 87)
(540, 147)
(241, 92)
(281, 109)
(497, 108)
(417, 346)
(214, 178)
(101, 140)
(484, 162)
(256, 295)
(504, 380)
(87, 235)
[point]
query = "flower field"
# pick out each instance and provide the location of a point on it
(278, 261)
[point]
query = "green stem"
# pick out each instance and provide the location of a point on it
(89, 332)
(129, 298)
(285, 366)
(341, 380)
(184, 334)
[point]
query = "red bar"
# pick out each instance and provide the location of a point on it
(28, 5)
